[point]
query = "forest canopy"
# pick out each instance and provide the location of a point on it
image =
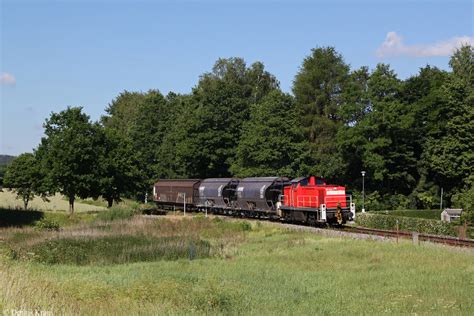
(412, 137)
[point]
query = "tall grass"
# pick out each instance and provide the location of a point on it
(269, 271)
(124, 241)
(115, 213)
(115, 250)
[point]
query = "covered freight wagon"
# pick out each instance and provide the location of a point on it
(176, 192)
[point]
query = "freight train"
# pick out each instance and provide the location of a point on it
(307, 199)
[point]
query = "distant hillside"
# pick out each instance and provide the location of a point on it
(6, 159)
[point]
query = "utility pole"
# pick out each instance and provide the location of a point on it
(363, 191)
(441, 202)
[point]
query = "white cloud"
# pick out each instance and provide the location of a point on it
(6, 78)
(394, 46)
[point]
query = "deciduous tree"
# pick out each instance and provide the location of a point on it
(450, 145)
(69, 155)
(22, 176)
(270, 143)
(220, 105)
(120, 171)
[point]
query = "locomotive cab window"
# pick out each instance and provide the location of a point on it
(320, 181)
(304, 182)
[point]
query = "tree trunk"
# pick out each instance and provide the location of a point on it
(71, 204)
(110, 201)
(25, 203)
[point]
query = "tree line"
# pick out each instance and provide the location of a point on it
(412, 137)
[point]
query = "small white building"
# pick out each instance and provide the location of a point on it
(451, 214)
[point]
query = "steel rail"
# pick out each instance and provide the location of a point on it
(453, 241)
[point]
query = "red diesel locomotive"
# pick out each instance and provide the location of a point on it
(310, 199)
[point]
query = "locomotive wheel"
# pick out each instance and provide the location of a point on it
(312, 219)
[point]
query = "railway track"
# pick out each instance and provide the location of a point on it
(416, 237)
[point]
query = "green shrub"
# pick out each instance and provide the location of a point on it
(468, 217)
(116, 213)
(246, 226)
(47, 224)
(217, 220)
(6, 252)
(68, 219)
(464, 199)
(374, 201)
(427, 226)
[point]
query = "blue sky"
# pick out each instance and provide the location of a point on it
(84, 53)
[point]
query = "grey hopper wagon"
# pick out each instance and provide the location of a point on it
(218, 192)
(260, 193)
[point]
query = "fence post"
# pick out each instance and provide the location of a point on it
(184, 204)
(353, 211)
(397, 230)
(416, 241)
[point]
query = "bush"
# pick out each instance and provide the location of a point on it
(464, 199)
(246, 226)
(47, 224)
(426, 226)
(116, 213)
(374, 201)
(467, 217)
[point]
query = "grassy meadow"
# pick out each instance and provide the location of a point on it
(56, 203)
(146, 265)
